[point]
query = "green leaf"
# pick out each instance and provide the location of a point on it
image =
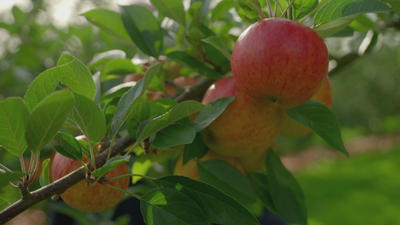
(216, 205)
(336, 15)
(208, 115)
(110, 165)
(178, 112)
(174, 134)
(90, 118)
(321, 120)
(249, 7)
(227, 178)
(6, 178)
(259, 182)
(68, 146)
(160, 106)
(219, 44)
(194, 64)
(13, 119)
(143, 163)
(130, 99)
(104, 57)
(286, 193)
(45, 178)
(120, 67)
(47, 118)
(196, 149)
(77, 77)
(172, 9)
(108, 21)
(222, 7)
(169, 206)
(303, 7)
(143, 28)
(139, 114)
(335, 26)
(43, 85)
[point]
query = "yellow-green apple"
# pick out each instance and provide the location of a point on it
(84, 196)
(291, 128)
(190, 168)
(280, 62)
(256, 163)
(245, 128)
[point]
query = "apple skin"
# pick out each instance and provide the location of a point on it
(85, 197)
(190, 168)
(280, 62)
(291, 128)
(246, 127)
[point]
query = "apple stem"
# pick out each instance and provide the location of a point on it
(269, 8)
(287, 8)
(125, 191)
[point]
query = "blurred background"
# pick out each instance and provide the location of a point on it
(365, 75)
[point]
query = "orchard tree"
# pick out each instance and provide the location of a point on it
(210, 88)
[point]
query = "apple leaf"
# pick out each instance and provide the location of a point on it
(221, 8)
(108, 21)
(43, 85)
(104, 57)
(336, 15)
(77, 77)
(172, 9)
(160, 106)
(178, 112)
(110, 165)
(303, 7)
(139, 114)
(45, 177)
(196, 149)
(216, 205)
(47, 118)
(208, 115)
(174, 134)
(13, 119)
(287, 195)
(193, 63)
(249, 7)
(259, 182)
(90, 118)
(321, 120)
(117, 91)
(130, 99)
(143, 28)
(143, 163)
(68, 146)
(220, 45)
(227, 178)
(120, 67)
(6, 178)
(170, 206)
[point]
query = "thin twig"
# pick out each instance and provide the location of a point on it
(120, 189)
(287, 8)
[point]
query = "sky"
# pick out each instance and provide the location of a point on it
(61, 9)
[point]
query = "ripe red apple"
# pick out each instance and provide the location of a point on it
(291, 128)
(280, 62)
(86, 197)
(190, 168)
(246, 127)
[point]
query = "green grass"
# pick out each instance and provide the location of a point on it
(364, 189)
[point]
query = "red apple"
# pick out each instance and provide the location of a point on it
(246, 127)
(280, 62)
(86, 197)
(291, 128)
